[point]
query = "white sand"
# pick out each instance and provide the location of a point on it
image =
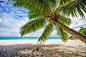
(75, 43)
(50, 48)
(14, 42)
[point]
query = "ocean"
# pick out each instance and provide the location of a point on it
(26, 38)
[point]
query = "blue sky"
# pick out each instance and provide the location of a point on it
(12, 18)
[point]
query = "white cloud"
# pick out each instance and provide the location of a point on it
(11, 25)
(4, 34)
(9, 21)
(54, 34)
(0, 20)
(77, 23)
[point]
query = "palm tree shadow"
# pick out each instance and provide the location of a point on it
(15, 50)
(44, 51)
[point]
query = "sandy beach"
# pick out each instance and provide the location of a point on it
(51, 48)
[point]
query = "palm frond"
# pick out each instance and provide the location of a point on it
(64, 2)
(58, 10)
(74, 7)
(65, 20)
(33, 16)
(32, 26)
(51, 3)
(82, 30)
(62, 33)
(49, 11)
(46, 32)
(36, 6)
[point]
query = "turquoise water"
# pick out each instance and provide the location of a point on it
(24, 38)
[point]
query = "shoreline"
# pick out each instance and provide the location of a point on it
(74, 43)
(54, 41)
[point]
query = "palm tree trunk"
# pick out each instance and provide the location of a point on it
(74, 33)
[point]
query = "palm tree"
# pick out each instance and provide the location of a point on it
(72, 8)
(42, 22)
(77, 6)
(39, 12)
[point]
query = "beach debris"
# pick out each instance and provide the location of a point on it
(33, 50)
(37, 49)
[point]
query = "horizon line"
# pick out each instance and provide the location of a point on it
(31, 37)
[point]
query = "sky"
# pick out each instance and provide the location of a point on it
(13, 18)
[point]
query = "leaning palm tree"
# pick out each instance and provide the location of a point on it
(42, 22)
(72, 8)
(77, 6)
